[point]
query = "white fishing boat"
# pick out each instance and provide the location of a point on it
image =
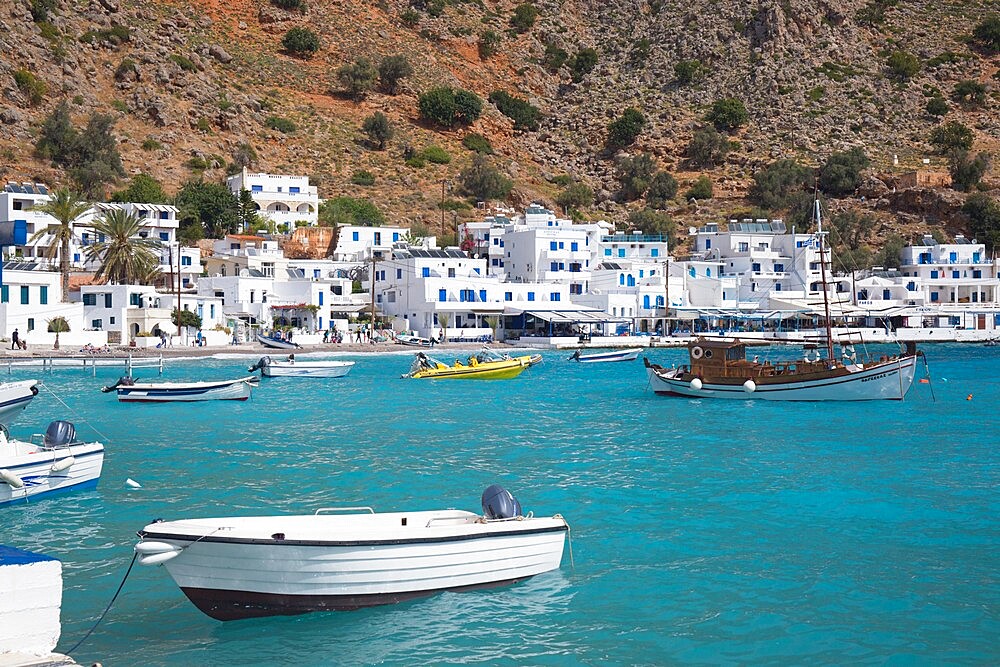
(14, 398)
(129, 390)
(614, 355)
(277, 343)
(720, 369)
(310, 368)
(243, 567)
(48, 463)
(414, 341)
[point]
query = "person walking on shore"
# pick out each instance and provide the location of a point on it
(15, 340)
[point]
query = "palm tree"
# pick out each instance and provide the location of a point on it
(125, 257)
(443, 320)
(58, 325)
(66, 207)
(493, 322)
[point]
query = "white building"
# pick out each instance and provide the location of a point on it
(953, 273)
(30, 297)
(358, 244)
(285, 200)
(237, 253)
(127, 311)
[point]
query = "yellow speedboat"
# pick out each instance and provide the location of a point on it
(487, 365)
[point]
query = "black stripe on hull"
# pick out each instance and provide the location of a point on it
(227, 605)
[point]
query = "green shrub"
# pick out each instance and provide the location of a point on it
(640, 51)
(416, 161)
(300, 42)
(357, 78)
(951, 136)
(283, 125)
(624, 130)
(524, 115)
(448, 107)
(984, 218)
(708, 148)
(652, 223)
(728, 114)
(987, 34)
(484, 181)
(524, 17)
(204, 125)
(775, 186)
(945, 57)
(688, 71)
(937, 106)
(30, 86)
(436, 155)
(700, 189)
(967, 171)
(662, 189)
(40, 9)
(410, 18)
(151, 145)
(113, 36)
(477, 143)
(197, 163)
(902, 65)
(583, 62)
(378, 129)
(576, 195)
(435, 8)
(362, 177)
(50, 32)
(119, 106)
(554, 57)
(635, 174)
(350, 211)
(184, 63)
(489, 44)
(840, 175)
(391, 71)
(299, 5)
(969, 93)
(126, 67)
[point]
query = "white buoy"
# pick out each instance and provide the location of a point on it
(749, 386)
(696, 384)
(132, 484)
(62, 464)
(12, 479)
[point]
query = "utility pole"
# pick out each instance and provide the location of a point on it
(178, 288)
(443, 182)
(666, 296)
(372, 276)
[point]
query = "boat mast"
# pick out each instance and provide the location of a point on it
(822, 268)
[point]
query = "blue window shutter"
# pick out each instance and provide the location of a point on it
(321, 298)
(43, 294)
(425, 272)
(482, 295)
(442, 295)
(354, 236)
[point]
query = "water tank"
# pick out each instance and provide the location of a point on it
(498, 503)
(59, 434)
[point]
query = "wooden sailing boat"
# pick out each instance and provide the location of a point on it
(720, 369)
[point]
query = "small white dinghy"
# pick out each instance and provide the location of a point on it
(310, 368)
(244, 567)
(51, 462)
(630, 354)
(130, 391)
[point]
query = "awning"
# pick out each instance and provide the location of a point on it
(349, 308)
(570, 316)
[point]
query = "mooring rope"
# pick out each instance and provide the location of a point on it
(108, 608)
(76, 415)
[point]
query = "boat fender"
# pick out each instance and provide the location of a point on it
(697, 352)
(62, 464)
(749, 386)
(157, 559)
(498, 503)
(34, 390)
(696, 384)
(146, 548)
(10, 478)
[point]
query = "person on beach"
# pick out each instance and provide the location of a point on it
(15, 340)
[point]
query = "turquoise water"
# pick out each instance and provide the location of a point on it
(703, 532)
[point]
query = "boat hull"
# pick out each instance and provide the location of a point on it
(306, 369)
(414, 341)
(620, 355)
(276, 344)
(231, 578)
(491, 371)
(889, 380)
(14, 398)
(39, 479)
(236, 390)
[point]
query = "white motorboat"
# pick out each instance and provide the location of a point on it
(630, 354)
(243, 567)
(129, 390)
(277, 343)
(14, 398)
(49, 463)
(414, 341)
(310, 368)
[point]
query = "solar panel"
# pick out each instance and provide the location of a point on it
(14, 187)
(42, 190)
(28, 189)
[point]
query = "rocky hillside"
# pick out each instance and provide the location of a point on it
(189, 82)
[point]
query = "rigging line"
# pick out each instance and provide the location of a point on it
(108, 608)
(75, 413)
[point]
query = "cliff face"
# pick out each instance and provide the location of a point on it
(189, 82)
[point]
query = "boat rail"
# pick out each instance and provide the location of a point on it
(321, 510)
(463, 517)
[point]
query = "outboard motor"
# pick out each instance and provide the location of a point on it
(59, 434)
(123, 381)
(498, 503)
(261, 363)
